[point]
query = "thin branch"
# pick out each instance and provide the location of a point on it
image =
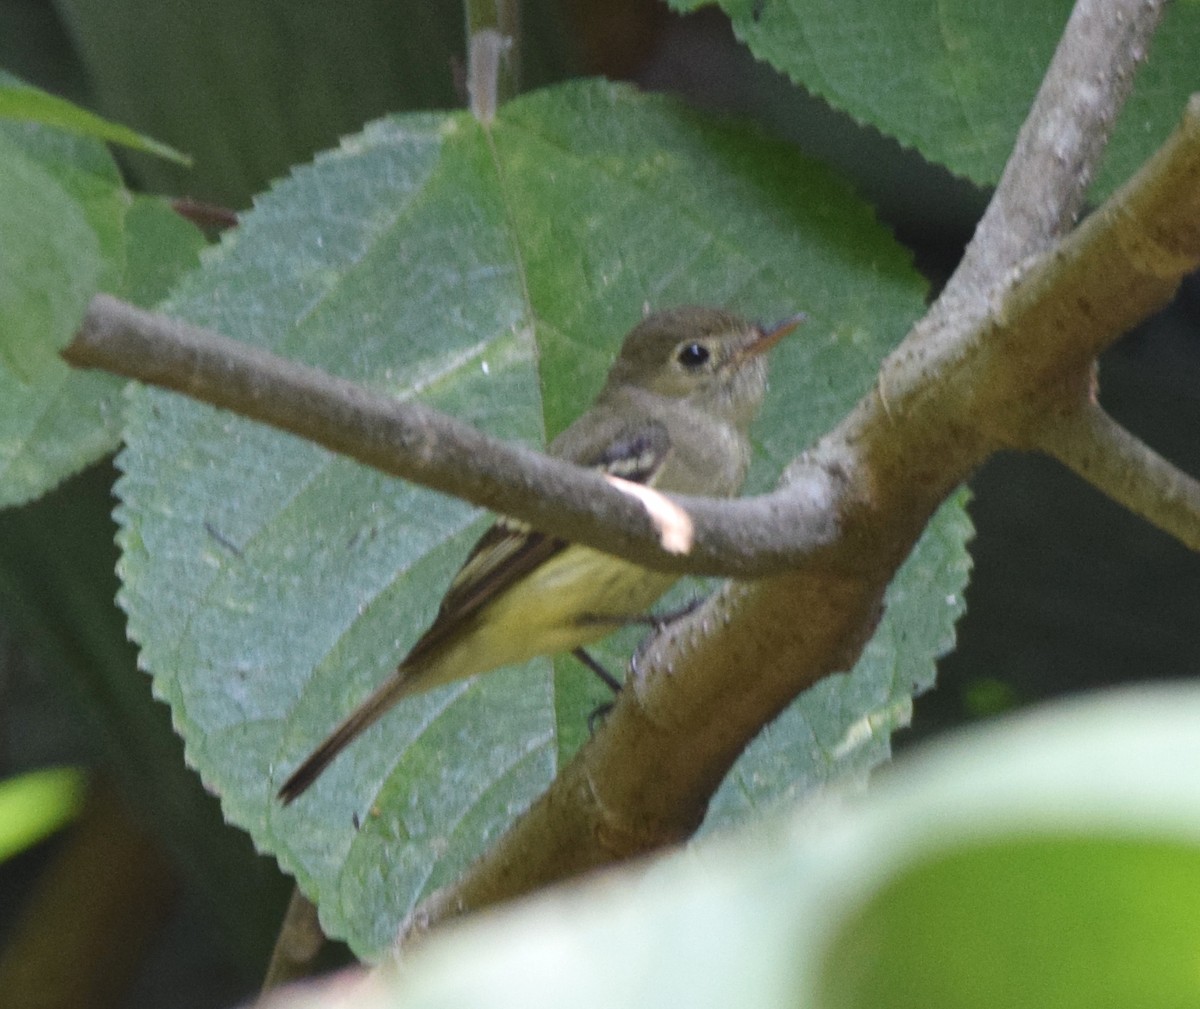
(1107, 456)
(298, 945)
(493, 55)
(1041, 191)
(953, 394)
(411, 441)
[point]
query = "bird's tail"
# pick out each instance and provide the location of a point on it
(358, 721)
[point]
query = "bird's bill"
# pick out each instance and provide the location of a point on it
(767, 336)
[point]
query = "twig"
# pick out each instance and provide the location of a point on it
(1107, 456)
(1041, 191)
(416, 443)
(298, 944)
(493, 55)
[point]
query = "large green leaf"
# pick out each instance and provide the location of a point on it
(955, 79)
(271, 584)
(70, 230)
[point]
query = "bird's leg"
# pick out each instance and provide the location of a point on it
(606, 677)
(600, 712)
(655, 621)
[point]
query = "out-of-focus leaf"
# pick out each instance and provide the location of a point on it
(29, 104)
(36, 804)
(70, 230)
(1048, 860)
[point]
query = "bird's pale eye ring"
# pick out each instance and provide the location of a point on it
(692, 355)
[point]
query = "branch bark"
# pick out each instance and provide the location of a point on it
(1093, 445)
(1009, 347)
(411, 441)
(948, 396)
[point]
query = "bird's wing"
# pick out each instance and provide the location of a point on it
(509, 550)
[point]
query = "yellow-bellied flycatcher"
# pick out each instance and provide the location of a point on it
(673, 415)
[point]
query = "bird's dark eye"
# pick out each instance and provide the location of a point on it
(692, 355)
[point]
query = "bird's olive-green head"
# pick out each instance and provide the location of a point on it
(709, 358)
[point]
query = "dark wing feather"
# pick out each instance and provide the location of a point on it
(505, 553)
(509, 550)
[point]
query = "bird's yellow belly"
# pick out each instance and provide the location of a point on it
(549, 611)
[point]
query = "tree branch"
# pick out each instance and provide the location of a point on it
(416, 443)
(969, 379)
(1092, 444)
(947, 397)
(1041, 191)
(1028, 357)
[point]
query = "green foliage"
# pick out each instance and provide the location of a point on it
(28, 104)
(71, 229)
(491, 275)
(35, 805)
(271, 585)
(1048, 860)
(955, 79)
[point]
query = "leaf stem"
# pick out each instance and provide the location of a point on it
(493, 55)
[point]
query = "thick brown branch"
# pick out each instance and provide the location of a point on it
(957, 389)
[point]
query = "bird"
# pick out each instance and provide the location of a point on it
(673, 414)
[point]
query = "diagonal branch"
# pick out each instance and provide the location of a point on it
(1006, 353)
(416, 443)
(1042, 189)
(1107, 456)
(953, 393)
